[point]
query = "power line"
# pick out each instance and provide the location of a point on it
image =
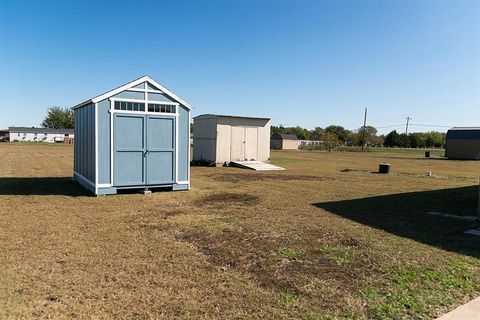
(391, 126)
(414, 124)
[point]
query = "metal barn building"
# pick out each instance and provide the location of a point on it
(282, 141)
(222, 139)
(463, 143)
(135, 136)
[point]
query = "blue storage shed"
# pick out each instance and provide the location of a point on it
(134, 136)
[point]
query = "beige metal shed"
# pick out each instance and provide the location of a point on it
(221, 138)
(281, 141)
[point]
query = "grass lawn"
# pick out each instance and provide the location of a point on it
(325, 239)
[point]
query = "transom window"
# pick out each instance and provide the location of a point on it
(155, 107)
(131, 106)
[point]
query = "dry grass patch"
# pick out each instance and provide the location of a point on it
(307, 243)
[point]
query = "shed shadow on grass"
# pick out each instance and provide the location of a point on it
(64, 186)
(405, 215)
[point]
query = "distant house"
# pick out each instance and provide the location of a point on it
(283, 141)
(310, 142)
(463, 143)
(4, 135)
(39, 134)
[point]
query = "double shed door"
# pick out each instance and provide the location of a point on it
(244, 143)
(144, 150)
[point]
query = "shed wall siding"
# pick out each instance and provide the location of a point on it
(158, 97)
(104, 142)
(224, 143)
(84, 142)
(467, 149)
(276, 144)
(130, 95)
(204, 139)
(183, 143)
(290, 144)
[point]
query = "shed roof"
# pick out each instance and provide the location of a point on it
(207, 115)
(284, 136)
(467, 133)
(39, 130)
(130, 85)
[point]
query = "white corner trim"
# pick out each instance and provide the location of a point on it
(176, 147)
(111, 142)
(104, 185)
(188, 144)
(183, 182)
(96, 147)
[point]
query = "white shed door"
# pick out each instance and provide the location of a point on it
(251, 143)
(237, 144)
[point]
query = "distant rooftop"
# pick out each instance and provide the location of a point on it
(284, 136)
(465, 133)
(39, 130)
(226, 116)
(465, 128)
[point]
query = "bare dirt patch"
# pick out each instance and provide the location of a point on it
(256, 176)
(314, 275)
(228, 199)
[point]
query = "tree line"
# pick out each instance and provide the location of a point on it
(335, 135)
(331, 136)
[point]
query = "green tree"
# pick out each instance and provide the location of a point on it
(435, 139)
(417, 140)
(339, 131)
(331, 140)
(370, 135)
(404, 140)
(317, 133)
(392, 139)
(59, 118)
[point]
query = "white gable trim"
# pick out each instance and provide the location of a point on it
(133, 84)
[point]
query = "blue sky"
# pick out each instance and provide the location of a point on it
(307, 63)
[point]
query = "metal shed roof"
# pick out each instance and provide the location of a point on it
(284, 136)
(227, 116)
(39, 130)
(466, 133)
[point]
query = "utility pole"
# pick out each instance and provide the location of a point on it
(364, 128)
(406, 128)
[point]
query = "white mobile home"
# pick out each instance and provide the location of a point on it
(39, 134)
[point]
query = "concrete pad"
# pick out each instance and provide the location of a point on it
(447, 215)
(469, 311)
(255, 165)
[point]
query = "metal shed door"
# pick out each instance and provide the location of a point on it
(237, 144)
(129, 149)
(251, 143)
(160, 150)
(144, 150)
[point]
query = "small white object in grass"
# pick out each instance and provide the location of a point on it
(473, 232)
(429, 174)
